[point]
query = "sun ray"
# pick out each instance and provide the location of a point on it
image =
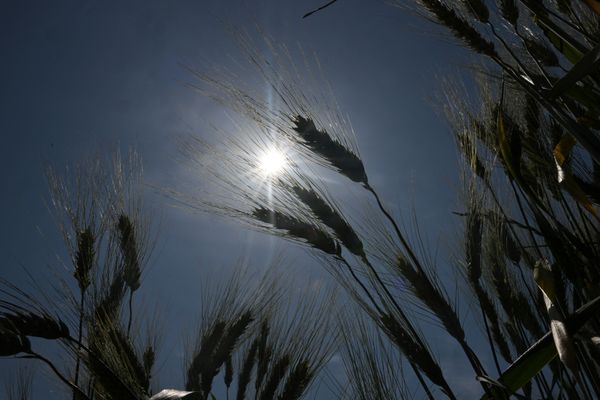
(272, 162)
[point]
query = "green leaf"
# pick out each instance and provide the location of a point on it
(543, 351)
(584, 67)
(172, 394)
(564, 43)
(586, 97)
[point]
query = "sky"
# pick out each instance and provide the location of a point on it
(83, 78)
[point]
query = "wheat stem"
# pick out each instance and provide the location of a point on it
(424, 384)
(361, 284)
(471, 356)
(130, 313)
(60, 376)
(79, 337)
(490, 341)
(399, 234)
(308, 14)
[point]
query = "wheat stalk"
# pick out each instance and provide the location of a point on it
(460, 27)
(343, 159)
(330, 217)
(297, 382)
(246, 368)
(276, 375)
(415, 352)
(297, 229)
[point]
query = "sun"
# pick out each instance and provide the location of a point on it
(272, 162)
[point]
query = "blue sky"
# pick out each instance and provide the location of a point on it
(88, 77)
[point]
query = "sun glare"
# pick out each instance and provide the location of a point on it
(272, 162)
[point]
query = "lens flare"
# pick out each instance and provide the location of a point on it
(272, 162)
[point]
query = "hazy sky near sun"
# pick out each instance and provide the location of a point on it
(80, 78)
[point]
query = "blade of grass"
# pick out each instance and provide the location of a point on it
(543, 351)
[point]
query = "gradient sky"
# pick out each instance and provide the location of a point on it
(79, 78)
